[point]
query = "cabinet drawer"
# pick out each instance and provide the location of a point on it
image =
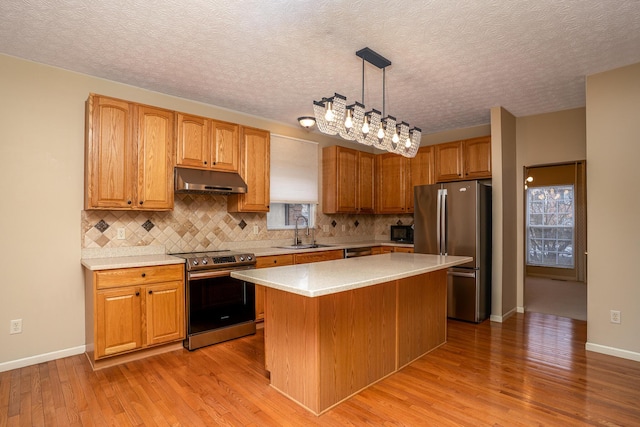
(138, 276)
(274, 261)
(318, 256)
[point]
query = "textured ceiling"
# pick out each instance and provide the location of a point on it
(452, 60)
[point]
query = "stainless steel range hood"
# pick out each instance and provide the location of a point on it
(208, 182)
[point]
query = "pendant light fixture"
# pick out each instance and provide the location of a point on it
(353, 122)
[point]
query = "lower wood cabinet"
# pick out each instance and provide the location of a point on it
(132, 309)
(309, 257)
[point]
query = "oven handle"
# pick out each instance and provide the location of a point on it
(198, 275)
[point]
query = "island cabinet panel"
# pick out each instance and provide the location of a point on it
(421, 327)
(356, 331)
(363, 322)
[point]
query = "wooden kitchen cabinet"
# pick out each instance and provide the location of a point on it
(207, 144)
(396, 177)
(347, 180)
(466, 159)
(309, 257)
(254, 169)
(477, 158)
(366, 183)
(128, 155)
(133, 309)
(392, 171)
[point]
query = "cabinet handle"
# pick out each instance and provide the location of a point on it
(205, 162)
(141, 201)
(150, 292)
(215, 163)
(275, 261)
(137, 294)
(144, 274)
(128, 202)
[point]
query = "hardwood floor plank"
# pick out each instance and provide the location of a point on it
(531, 370)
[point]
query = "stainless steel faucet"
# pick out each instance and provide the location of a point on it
(296, 241)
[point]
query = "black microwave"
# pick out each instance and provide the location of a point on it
(402, 233)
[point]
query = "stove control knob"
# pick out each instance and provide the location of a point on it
(241, 258)
(249, 257)
(195, 262)
(204, 261)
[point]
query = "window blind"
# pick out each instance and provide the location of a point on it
(294, 170)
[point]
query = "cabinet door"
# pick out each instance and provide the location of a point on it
(110, 155)
(366, 187)
(391, 191)
(339, 180)
(477, 158)
(403, 249)
(165, 312)
(225, 144)
(265, 262)
(448, 161)
(118, 321)
(192, 141)
(155, 158)
(421, 173)
(254, 169)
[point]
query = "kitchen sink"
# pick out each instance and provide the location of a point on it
(312, 246)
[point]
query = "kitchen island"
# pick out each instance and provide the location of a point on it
(333, 328)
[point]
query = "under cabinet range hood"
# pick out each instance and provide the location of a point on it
(208, 182)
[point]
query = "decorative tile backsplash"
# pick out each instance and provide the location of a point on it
(201, 222)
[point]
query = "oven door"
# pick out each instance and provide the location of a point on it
(217, 300)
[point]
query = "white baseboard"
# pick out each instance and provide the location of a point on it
(502, 318)
(40, 358)
(520, 309)
(612, 351)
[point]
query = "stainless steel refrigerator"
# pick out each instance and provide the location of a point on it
(455, 219)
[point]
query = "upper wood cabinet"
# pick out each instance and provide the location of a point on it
(347, 180)
(128, 155)
(477, 158)
(207, 144)
(460, 160)
(254, 169)
(396, 177)
(392, 172)
(420, 173)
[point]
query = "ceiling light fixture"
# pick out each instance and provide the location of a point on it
(306, 121)
(351, 122)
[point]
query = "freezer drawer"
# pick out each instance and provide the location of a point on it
(466, 300)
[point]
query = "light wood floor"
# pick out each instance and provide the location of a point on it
(530, 370)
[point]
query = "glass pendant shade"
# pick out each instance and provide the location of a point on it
(334, 117)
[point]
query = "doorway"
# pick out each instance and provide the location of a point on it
(555, 239)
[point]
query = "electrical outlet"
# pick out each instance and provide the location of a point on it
(325, 228)
(256, 230)
(615, 316)
(344, 228)
(15, 327)
(122, 233)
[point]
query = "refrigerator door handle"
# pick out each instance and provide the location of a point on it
(442, 213)
(439, 221)
(460, 274)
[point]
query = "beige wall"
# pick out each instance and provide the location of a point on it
(544, 139)
(503, 270)
(613, 210)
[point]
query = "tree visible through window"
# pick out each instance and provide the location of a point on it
(550, 226)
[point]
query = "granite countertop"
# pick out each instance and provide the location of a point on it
(113, 260)
(270, 251)
(111, 263)
(330, 277)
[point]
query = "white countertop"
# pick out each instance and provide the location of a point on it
(111, 263)
(330, 277)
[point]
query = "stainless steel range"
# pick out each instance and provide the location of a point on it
(218, 307)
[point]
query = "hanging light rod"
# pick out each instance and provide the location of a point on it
(352, 122)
